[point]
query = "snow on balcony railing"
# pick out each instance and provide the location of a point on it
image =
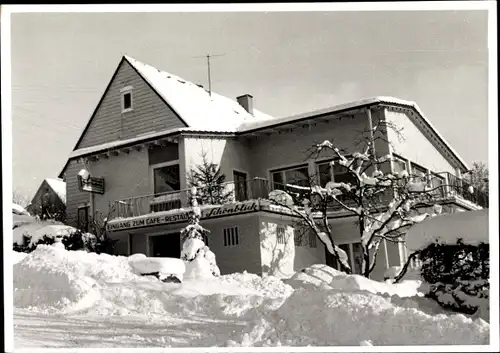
(444, 185)
(137, 206)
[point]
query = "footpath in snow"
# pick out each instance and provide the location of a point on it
(78, 299)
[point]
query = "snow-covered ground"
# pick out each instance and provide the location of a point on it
(78, 299)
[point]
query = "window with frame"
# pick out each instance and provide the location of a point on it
(166, 179)
(126, 99)
(280, 234)
(298, 175)
(437, 184)
(336, 173)
(82, 220)
(419, 173)
(231, 236)
(166, 187)
(398, 165)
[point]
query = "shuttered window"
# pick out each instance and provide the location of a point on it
(231, 236)
(280, 234)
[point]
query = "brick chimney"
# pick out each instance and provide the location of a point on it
(246, 101)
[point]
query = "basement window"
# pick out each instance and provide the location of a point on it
(231, 237)
(126, 99)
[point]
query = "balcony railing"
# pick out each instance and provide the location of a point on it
(444, 185)
(455, 186)
(140, 205)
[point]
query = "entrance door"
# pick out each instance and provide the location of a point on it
(168, 245)
(83, 218)
(240, 186)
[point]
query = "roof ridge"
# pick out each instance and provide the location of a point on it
(132, 61)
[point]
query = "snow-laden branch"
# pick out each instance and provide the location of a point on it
(365, 194)
(374, 256)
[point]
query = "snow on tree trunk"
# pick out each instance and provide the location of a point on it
(200, 261)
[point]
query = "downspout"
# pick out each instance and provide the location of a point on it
(372, 138)
(92, 213)
(91, 196)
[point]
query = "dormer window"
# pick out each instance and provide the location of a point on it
(126, 99)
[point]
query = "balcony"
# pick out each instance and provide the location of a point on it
(137, 206)
(445, 186)
(456, 187)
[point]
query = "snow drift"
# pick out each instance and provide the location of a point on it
(50, 280)
(327, 318)
(18, 256)
(329, 307)
(327, 278)
(317, 306)
(56, 279)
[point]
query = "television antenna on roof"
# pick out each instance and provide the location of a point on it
(208, 56)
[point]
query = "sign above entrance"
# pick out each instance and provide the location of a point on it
(161, 218)
(92, 184)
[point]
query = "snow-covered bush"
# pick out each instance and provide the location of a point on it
(73, 240)
(199, 259)
(281, 197)
(27, 246)
(457, 275)
(100, 244)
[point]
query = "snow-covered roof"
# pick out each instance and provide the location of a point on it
(21, 219)
(194, 104)
(202, 112)
(248, 126)
(59, 187)
(19, 210)
(255, 125)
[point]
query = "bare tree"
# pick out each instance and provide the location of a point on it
(479, 177)
(385, 204)
(20, 199)
(101, 242)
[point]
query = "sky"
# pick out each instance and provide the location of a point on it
(291, 62)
